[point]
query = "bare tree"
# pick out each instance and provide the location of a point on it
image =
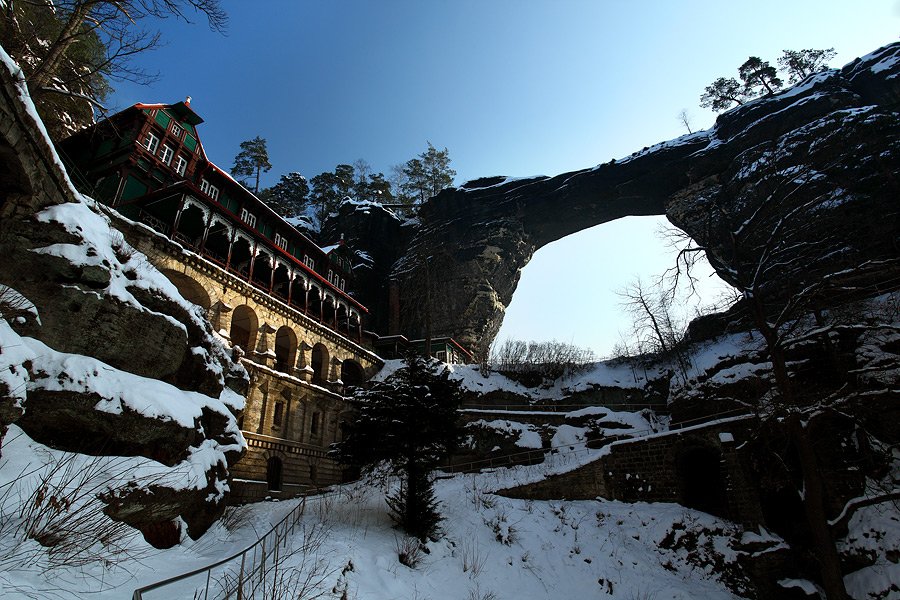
(685, 119)
(73, 48)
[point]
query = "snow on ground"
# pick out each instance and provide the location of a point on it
(490, 545)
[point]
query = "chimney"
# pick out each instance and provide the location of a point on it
(187, 101)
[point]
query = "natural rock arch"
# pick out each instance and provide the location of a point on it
(454, 272)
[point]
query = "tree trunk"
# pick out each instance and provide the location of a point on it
(42, 75)
(823, 545)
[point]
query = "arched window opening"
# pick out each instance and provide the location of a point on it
(244, 325)
(217, 243)
(191, 225)
(320, 361)
(277, 414)
(351, 372)
(273, 474)
(262, 270)
(282, 281)
(241, 253)
(313, 473)
(285, 349)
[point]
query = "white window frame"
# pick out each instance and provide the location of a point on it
(342, 284)
(281, 242)
(151, 142)
(177, 129)
(181, 164)
(309, 262)
(204, 186)
(166, 154)
(248, 217)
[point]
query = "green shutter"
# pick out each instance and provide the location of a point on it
(163, 119)
(189, 142)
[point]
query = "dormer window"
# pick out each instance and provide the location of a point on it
(248, 217)
(151, 142)
(167, 154)
(176, 130)
(281, 242)
(180, 165)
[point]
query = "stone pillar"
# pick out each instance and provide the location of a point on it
(218, 313)
(303, 370)
(263, 353)
(335, 376)
(264, 407)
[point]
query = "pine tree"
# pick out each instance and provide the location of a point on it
(759, 77)
(409, 423)
(253, 159)
(288, 197)
(722, 93)
(425, 176)
(800, 64)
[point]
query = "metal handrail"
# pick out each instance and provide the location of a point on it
(293, 517)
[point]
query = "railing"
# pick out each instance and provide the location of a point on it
(249, 577)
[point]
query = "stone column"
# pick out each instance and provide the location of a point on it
(263, 353)
(303, 370)
(335, 376)
(218, 312)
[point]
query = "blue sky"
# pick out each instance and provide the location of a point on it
(510, 87)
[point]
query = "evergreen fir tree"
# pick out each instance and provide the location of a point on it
(409, 423)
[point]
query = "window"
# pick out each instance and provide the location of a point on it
(309, 262)
(180, 165)
(208, 189)
(176, 130)
(441, 355)
(277, 414)
(281, 242)
(331, 277)
(342, 284)
(167, 154)
(248, 217)
(151, 142)
(314, 423)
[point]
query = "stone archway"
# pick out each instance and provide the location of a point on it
(352, 372)
(285, 349)
(244, 327)
(320, 362)
(190, 289)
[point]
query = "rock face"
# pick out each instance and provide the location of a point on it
(99, 354)
(827, 150)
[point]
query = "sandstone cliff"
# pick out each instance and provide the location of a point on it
(99, 354)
